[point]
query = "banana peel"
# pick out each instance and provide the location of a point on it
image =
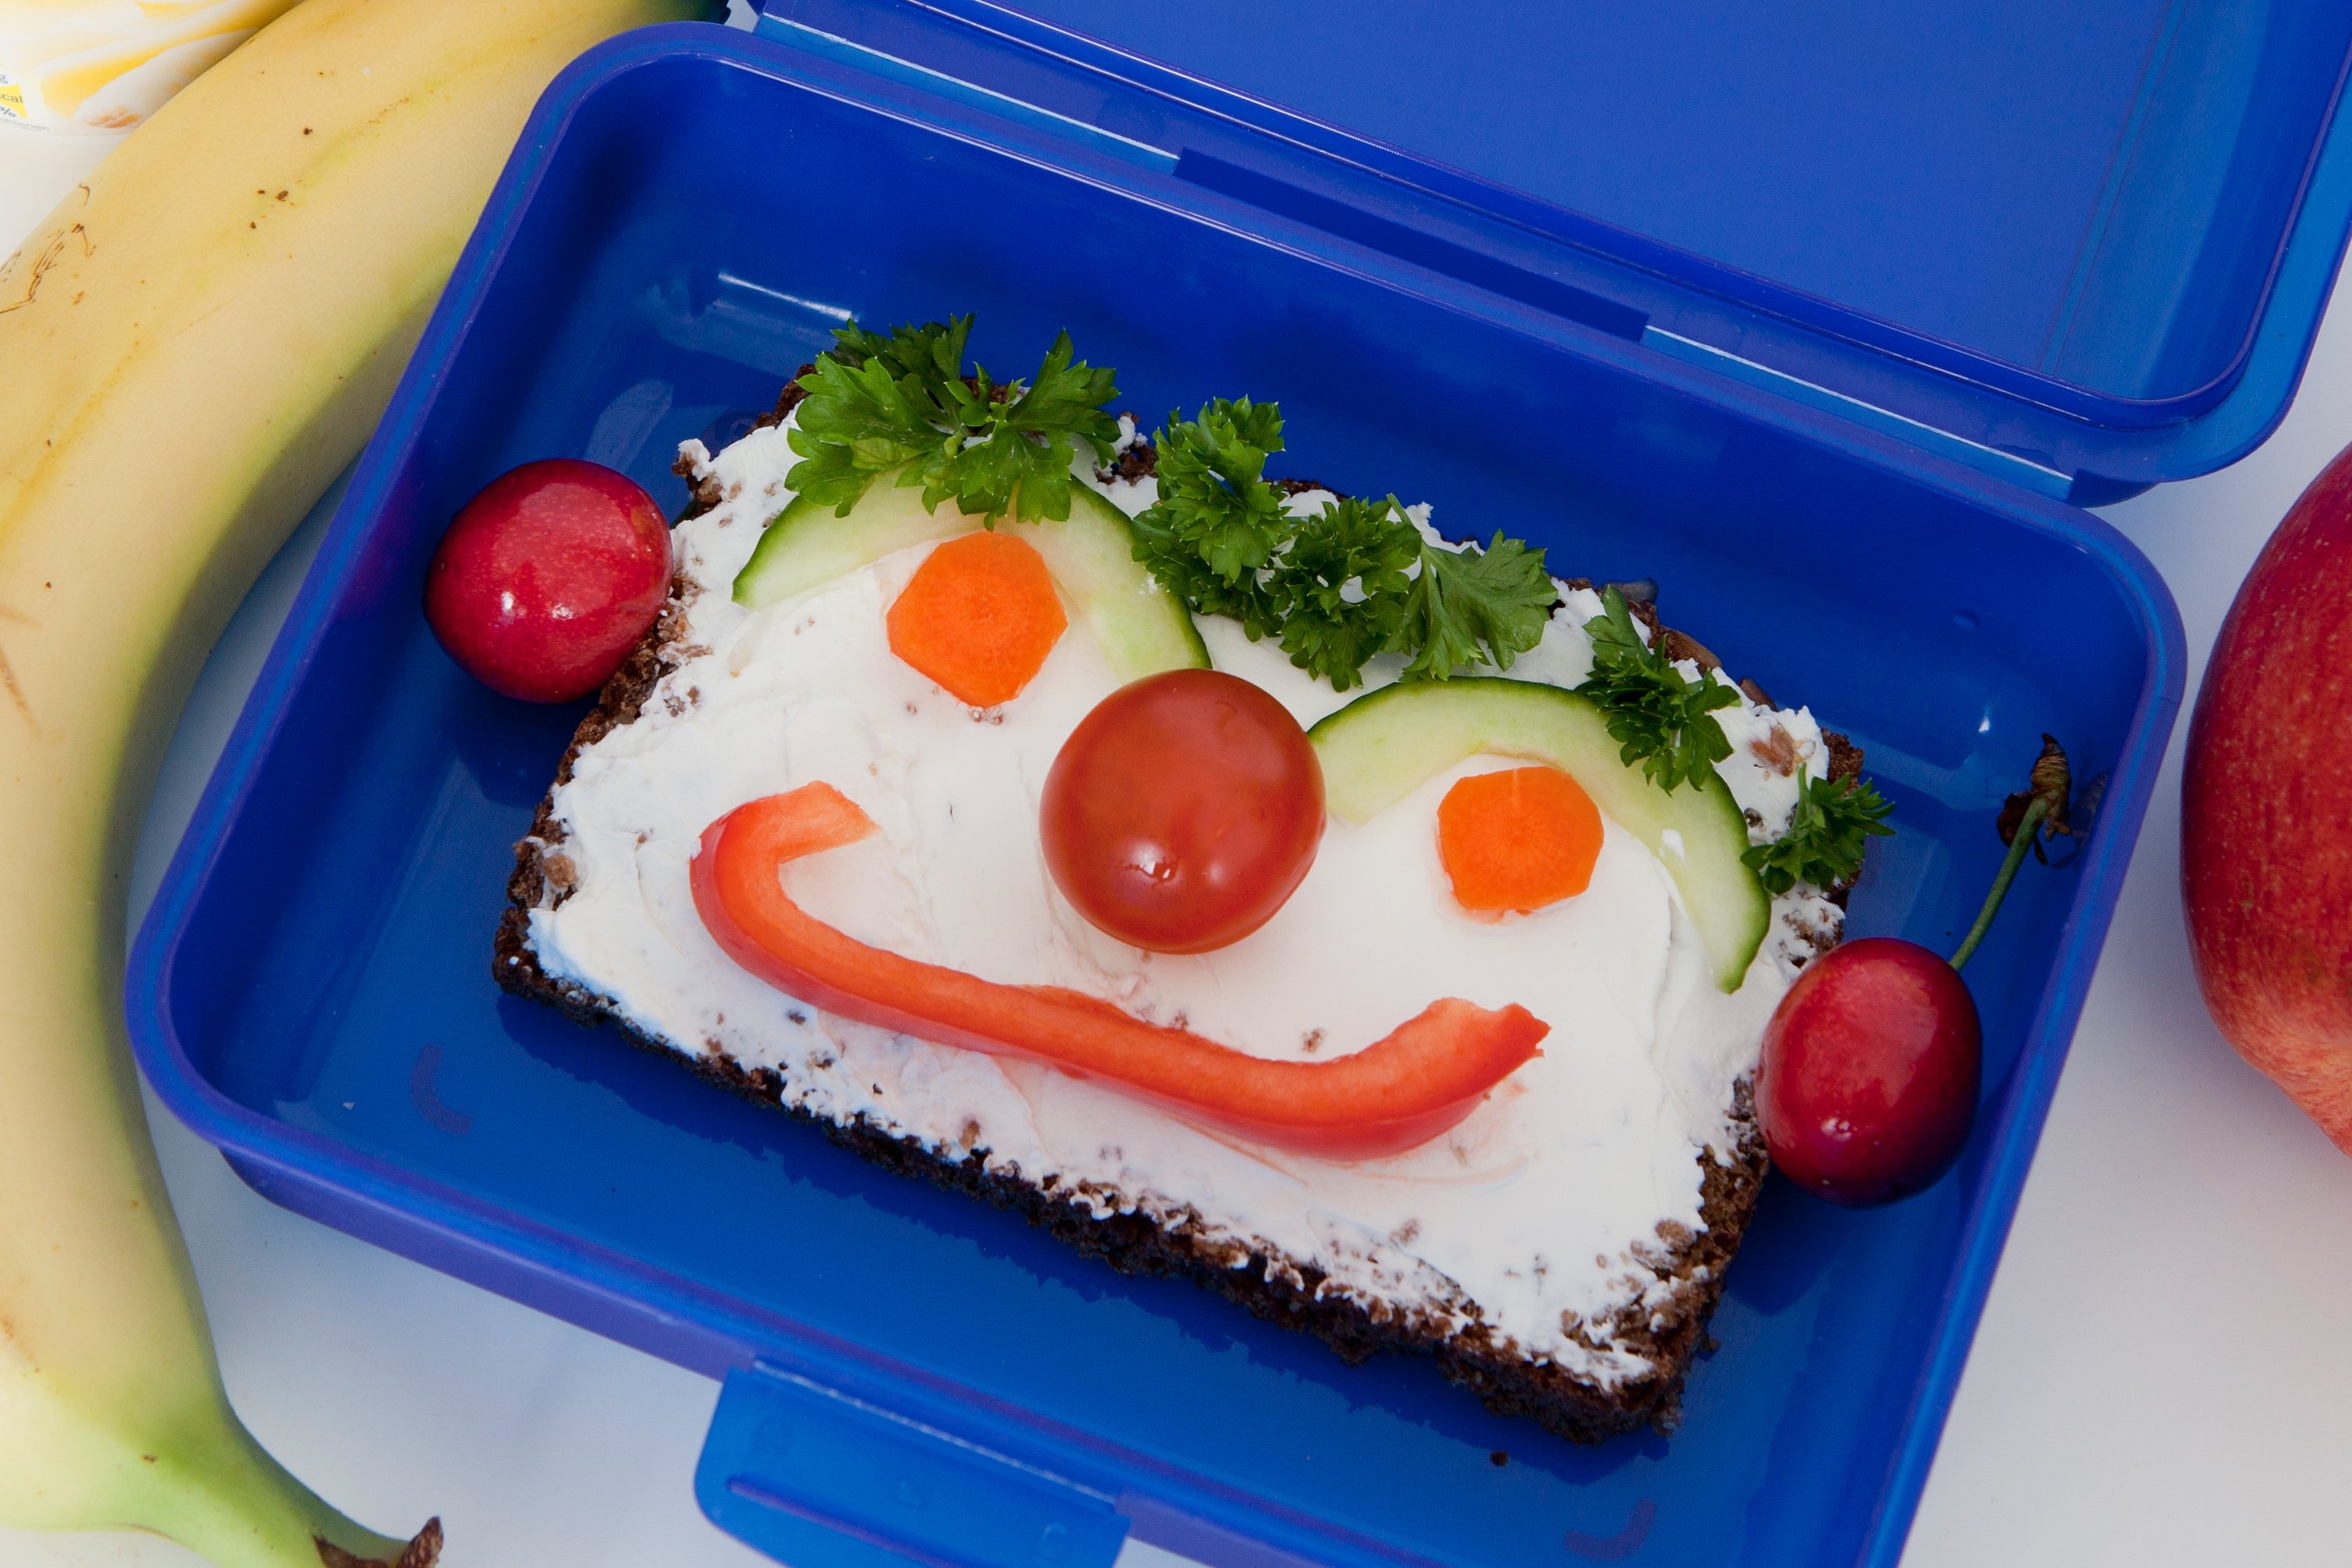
(191, 347)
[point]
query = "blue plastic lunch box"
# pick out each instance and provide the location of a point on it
(1827, 321)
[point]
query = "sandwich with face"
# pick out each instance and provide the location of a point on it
(941, 847)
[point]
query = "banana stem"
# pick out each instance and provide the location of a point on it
(228, 1501)
(2017, 848)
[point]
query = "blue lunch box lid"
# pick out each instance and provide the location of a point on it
(2083, 246)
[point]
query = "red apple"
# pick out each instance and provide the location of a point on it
(547, 577)
(1869, 1082)
(2266, 810)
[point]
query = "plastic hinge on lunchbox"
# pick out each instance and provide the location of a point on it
(1215, 156)
(1367, 215)
(2275, 185)
(1362, 221)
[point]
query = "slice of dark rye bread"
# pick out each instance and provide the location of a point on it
(1270, 1285)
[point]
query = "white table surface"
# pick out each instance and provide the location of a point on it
(2163, 1375)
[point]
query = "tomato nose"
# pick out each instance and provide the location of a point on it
(1184, 811)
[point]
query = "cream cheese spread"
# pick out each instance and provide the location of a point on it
(1547, 1215)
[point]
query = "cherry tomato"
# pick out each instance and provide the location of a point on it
(547, 577)
(1182, 811)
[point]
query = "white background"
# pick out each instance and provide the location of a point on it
(2163, 1377)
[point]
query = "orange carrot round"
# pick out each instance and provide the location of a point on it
(979, 617)
(1518, 839)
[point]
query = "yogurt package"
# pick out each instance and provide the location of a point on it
(103, 66)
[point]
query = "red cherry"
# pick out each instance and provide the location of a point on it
(1182, 811)
(547, 577)
(1869, 1081)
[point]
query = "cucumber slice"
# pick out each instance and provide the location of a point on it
(806, 547)
(1142, 627)
(1387, 743)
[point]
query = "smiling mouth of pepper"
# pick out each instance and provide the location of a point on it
(1409, 1087)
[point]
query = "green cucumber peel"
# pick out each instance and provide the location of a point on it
(1388, 742)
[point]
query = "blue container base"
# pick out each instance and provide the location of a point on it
(311, 990)
(629, 1321)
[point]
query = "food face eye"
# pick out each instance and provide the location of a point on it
(1518, 839)
(979, 617)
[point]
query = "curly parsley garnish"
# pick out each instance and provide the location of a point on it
(904, 402)
(1218, 525)
(1659, 719)
(1340, 586)
(1825, 841)
(1346, 589)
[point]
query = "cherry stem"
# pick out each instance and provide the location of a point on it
(2017, 848)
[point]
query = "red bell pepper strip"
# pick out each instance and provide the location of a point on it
(1394, 1095)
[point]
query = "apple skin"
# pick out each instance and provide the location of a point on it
(1869, 1081)
(547, 577)
(2266, 810)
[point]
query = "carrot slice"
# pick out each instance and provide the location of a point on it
(1394, 1095)
(979, 617)
(1518, 839)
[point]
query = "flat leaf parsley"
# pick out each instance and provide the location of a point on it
(1496, 600)
(904, 402)
(1825, 841)
(1660, 719)
(1340, 586)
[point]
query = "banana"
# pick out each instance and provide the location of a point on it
(197, 340)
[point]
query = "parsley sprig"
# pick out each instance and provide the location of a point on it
(1824, 841)
(1345, 587)
(1212, 535)
(904, 402)
(1659, 719)
(1337, 587)
(1473, 606)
